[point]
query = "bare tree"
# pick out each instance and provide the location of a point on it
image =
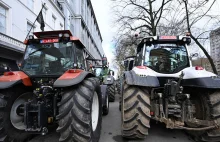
(140, 15)
(191, 20)
(125, 46)
(168, 17)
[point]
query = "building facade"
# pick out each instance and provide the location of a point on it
(81, 20)
(18, 16)
(215, 48)
(16, 20)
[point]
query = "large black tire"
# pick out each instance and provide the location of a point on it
(119, 86)
(207, 108)
(8, 132)
(75, 108)
(111, 91)
(106, 105)
(135, 112)
(214, 114)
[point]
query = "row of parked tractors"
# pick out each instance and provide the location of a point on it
(56, 88)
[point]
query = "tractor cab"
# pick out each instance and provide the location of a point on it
(52, 53)
(164, 54)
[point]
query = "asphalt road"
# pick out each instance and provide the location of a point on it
(111, 131)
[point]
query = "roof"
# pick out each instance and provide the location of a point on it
(51, 34)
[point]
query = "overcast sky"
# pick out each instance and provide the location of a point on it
(104, 15)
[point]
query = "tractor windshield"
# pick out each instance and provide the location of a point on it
(166, 58)
(48, 58)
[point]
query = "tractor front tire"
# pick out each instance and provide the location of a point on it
(8, 133)
(111, 92)
(80, 113)
(135, 110)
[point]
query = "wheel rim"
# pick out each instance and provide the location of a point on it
(95, 111)
(16, 120)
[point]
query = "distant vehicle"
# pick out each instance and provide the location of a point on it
(106, 79)
(161, 84)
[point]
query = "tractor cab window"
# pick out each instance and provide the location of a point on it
(166, 58)
(48, 58)
(79, 58)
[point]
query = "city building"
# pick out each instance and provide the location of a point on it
(215, 48)
(16, 20)
(18, 16)
(81, 20)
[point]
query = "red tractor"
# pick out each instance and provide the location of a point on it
(51, 88)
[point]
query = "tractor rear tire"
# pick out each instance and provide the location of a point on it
(111, 91)
(106, 105)
(119, 86)
(135, 110)
(8, 132)
(208, 106)
(78, 120)
(214, 110)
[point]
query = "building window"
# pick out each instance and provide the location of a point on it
(61, 26)
(54, 21)
(29, 26)
(2, 20)
(30, 4)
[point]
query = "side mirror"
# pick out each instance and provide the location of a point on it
(126, 63)
(194, 55)
(112, 73)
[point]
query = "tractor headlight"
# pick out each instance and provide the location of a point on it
(66, 35)
(60, 35)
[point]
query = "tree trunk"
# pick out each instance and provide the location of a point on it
(206, 53)
(196, 41)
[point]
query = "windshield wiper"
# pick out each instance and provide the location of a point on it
(36, 51)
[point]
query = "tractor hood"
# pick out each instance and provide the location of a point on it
(189, 73)
(193, 77)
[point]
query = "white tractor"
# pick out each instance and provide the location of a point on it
(162, 85)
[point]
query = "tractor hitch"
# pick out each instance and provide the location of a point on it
(35, 117)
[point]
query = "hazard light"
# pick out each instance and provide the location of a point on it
(167, 37)
(199, 68)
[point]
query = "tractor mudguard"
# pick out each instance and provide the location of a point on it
(72, 77)
(107, 80)
(132, 78)
(103, 90)
(12, 78)
(205, 82)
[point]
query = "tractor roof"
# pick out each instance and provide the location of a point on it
(55, 35)
(165, 39)
(51, 34)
